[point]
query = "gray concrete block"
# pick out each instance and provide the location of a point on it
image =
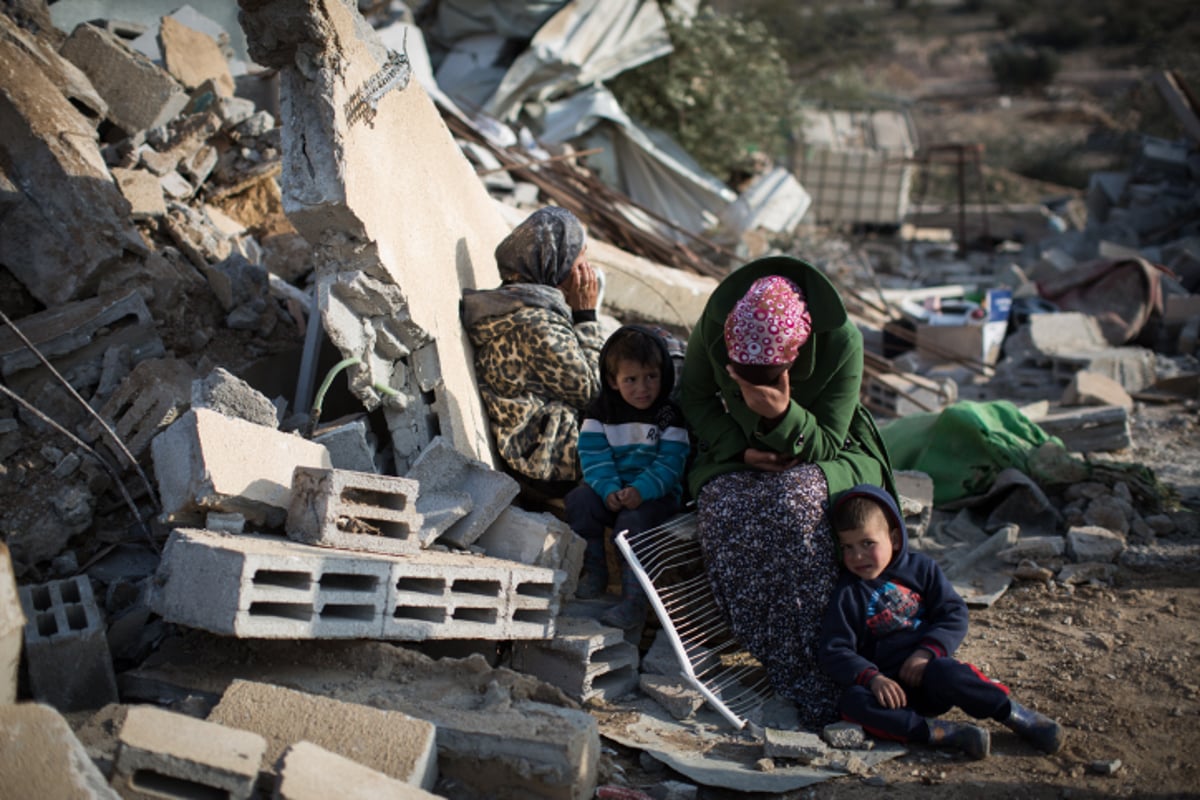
(310, 772)
(66, 648)
(166, 754)
(40, 757)
(154, 394)
(843, 735)
(267, 587)
(207, 461)
(802, 746)
(351, 446)
(355, 511)
(1089, 543)
(227, 394)
(391, 742)
(140, 94)
(12, 629)
(584, 658)
(440, 467)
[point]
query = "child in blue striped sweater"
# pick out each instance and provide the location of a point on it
(633, 446)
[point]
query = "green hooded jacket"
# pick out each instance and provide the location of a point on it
(826, 423)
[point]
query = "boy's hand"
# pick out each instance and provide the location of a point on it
(888, 693)
(613, 501)
(768, 461)
(769, 401)
(630, 497)
(913, 669)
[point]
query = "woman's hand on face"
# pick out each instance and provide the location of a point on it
(769, 401)
(768, 461)
(581, 288)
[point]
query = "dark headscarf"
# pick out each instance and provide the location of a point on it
(541, 249)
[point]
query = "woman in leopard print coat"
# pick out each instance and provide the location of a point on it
(537, 345)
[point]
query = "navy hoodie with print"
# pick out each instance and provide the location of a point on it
(872, 626)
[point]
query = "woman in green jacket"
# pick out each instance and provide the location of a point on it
(770, 388)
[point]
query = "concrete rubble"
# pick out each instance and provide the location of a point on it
(259, 509)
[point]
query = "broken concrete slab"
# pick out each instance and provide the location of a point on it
(441, 467)
(66, 648)
(65, 219)
(142, 190)
(40, 756)
(207, 461)
(389, 741)
(195, 758)
(537, 538)
(152, 396)
(500, 734)
(1092, 429)
(69, 79)
(268, 587)
(351, 445)
(310, 772)
(12, 629)
(1089, 388)
(140, 94)
(354, 141)
(193, 57)
(1090, 543)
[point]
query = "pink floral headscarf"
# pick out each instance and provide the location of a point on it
(769, 324)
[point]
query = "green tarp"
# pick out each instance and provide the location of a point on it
(964, 446)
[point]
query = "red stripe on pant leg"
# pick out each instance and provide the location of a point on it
(878, 734)
(998, 684)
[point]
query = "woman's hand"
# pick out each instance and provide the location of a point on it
(768, 461)
(581, 288)
(770, 401)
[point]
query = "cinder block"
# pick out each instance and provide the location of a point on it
(66, 647)
(12, 629)
(40, 757)
(165, 754)
(441, 467)
(585, 659)
(207, 461)
(140, 95)
(150, 398)
(310, 772)
(354, 511)
(536, 538)
(391, 742)
(270, 588)
(266, 587)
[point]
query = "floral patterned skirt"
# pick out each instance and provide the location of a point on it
(771, 562)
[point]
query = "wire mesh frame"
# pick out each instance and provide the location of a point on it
(669, 565)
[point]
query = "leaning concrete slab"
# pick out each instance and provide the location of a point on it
(67, 220)
(266, 587)
(66, 646)
(354, 511)
(441, 467)
(391, 742)
(140, 94)
(166, 754)
(398, 220)
(310, 772)
(12, 629)
(40, 757)
(207, 461)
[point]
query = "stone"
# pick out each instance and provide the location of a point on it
(681, 700)
(801, 746)
(41, 757)
(1089, 388)
(12, 629)
(143, 191)
(1091, 543)
(843, 735)
(310, 772)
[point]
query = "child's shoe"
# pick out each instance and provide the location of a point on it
(1036, 728)
(973, 740)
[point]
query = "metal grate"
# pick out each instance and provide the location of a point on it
(670, 566)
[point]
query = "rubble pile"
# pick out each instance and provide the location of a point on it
(238, 567)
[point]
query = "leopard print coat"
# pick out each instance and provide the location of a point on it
(536, 372)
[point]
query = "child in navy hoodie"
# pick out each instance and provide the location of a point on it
(633, 445)
(889, 634)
